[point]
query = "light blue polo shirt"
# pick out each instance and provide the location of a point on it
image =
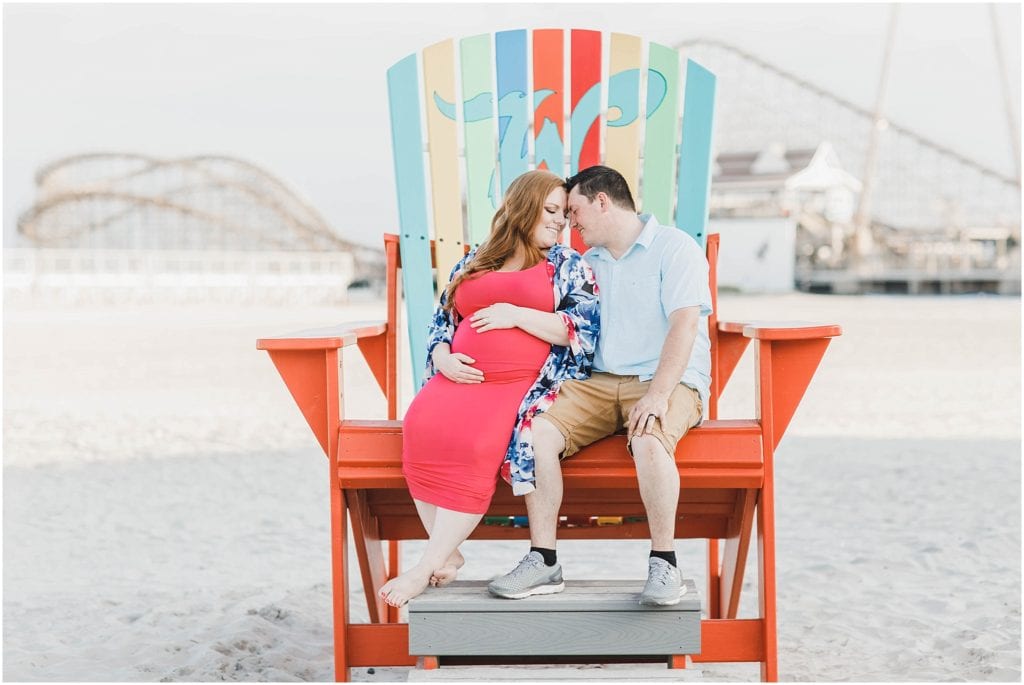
(664, 270)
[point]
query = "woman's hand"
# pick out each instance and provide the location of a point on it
(497, 316)
(455, 366)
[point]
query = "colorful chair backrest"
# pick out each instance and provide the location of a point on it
(521, 106)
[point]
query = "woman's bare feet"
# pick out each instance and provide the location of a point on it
(447, 573)
(398, 591)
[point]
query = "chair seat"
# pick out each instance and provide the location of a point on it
(717, 454)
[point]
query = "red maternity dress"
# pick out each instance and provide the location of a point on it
(456, 434)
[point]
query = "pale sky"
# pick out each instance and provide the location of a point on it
(300, 89)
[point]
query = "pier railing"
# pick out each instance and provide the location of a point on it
(110, 276)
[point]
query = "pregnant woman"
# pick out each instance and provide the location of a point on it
(519, 316)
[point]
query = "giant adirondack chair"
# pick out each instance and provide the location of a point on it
(656, 128)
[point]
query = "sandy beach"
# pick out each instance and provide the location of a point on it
(165, 508)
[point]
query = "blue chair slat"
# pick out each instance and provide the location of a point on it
(694, 184)
(513, 112)
(407, 146)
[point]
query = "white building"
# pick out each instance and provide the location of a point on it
(775, 205)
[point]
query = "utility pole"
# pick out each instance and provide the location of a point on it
(862, 241)
(1011, 119)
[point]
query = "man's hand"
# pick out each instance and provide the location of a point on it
(500, 315)
(651, 406)
(455, 366)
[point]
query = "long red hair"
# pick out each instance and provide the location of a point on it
(511, 228)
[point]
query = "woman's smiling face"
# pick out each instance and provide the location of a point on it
(552, 220)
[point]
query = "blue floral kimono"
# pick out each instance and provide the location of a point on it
(575, 291)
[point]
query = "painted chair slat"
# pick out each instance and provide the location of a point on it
(585, 101)
(661, 133)
(442, 143)
(513, 113)
(585, 89)
(694, 185)
(480, 135)
(414, 241)
(549, 100)
(622, 127)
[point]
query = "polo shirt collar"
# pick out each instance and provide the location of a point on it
(646, 237)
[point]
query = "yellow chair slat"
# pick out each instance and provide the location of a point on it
(442, 144)
(622, 132)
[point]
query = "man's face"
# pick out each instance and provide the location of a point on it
(586, 217)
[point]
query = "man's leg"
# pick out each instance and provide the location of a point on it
(538, 573)
(654, 455)
(658, 476)
(579, 416)
(659, 489)
(543, 503)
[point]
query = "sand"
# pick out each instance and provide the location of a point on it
(165, 509)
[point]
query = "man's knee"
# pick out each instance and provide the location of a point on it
(548, 441)
(648, 448)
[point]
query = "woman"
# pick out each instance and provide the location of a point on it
(518, 317)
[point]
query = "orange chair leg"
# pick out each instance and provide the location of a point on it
(713, 579)
(734, 557)
(429, 663)
(339, 569)
(393, 570)
(766, 513)
(370, 554)
(677, 661)
(766, 583)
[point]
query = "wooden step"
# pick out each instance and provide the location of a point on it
(591, 617)
(614, 672)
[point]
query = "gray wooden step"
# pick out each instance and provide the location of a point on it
(591, 617)
(613, 672)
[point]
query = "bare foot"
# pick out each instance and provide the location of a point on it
(398, 591)
(447, 573)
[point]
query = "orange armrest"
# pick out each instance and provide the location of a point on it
(327, 338)
(781, 330)
(731, 327)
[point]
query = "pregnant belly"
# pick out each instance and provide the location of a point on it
(503, 355)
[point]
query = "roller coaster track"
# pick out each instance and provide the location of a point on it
(84, 195)
(921, 179)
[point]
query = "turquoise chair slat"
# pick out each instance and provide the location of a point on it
(414, 242)
(478, 115)
(662, 132)
(513, 113)
(694, 183)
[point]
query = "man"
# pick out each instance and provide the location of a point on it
(651, 377)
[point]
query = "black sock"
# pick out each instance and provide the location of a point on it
(550, 557)
(670, 557)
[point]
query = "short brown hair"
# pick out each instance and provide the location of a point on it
(602, 179)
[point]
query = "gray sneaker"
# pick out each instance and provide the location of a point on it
(531, 577)
(664, 584)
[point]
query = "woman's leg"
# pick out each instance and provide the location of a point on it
(447, 573)
(449, 530)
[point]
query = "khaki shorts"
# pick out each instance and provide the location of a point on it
(589, 410)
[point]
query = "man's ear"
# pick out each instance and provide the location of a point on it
(602, 200)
